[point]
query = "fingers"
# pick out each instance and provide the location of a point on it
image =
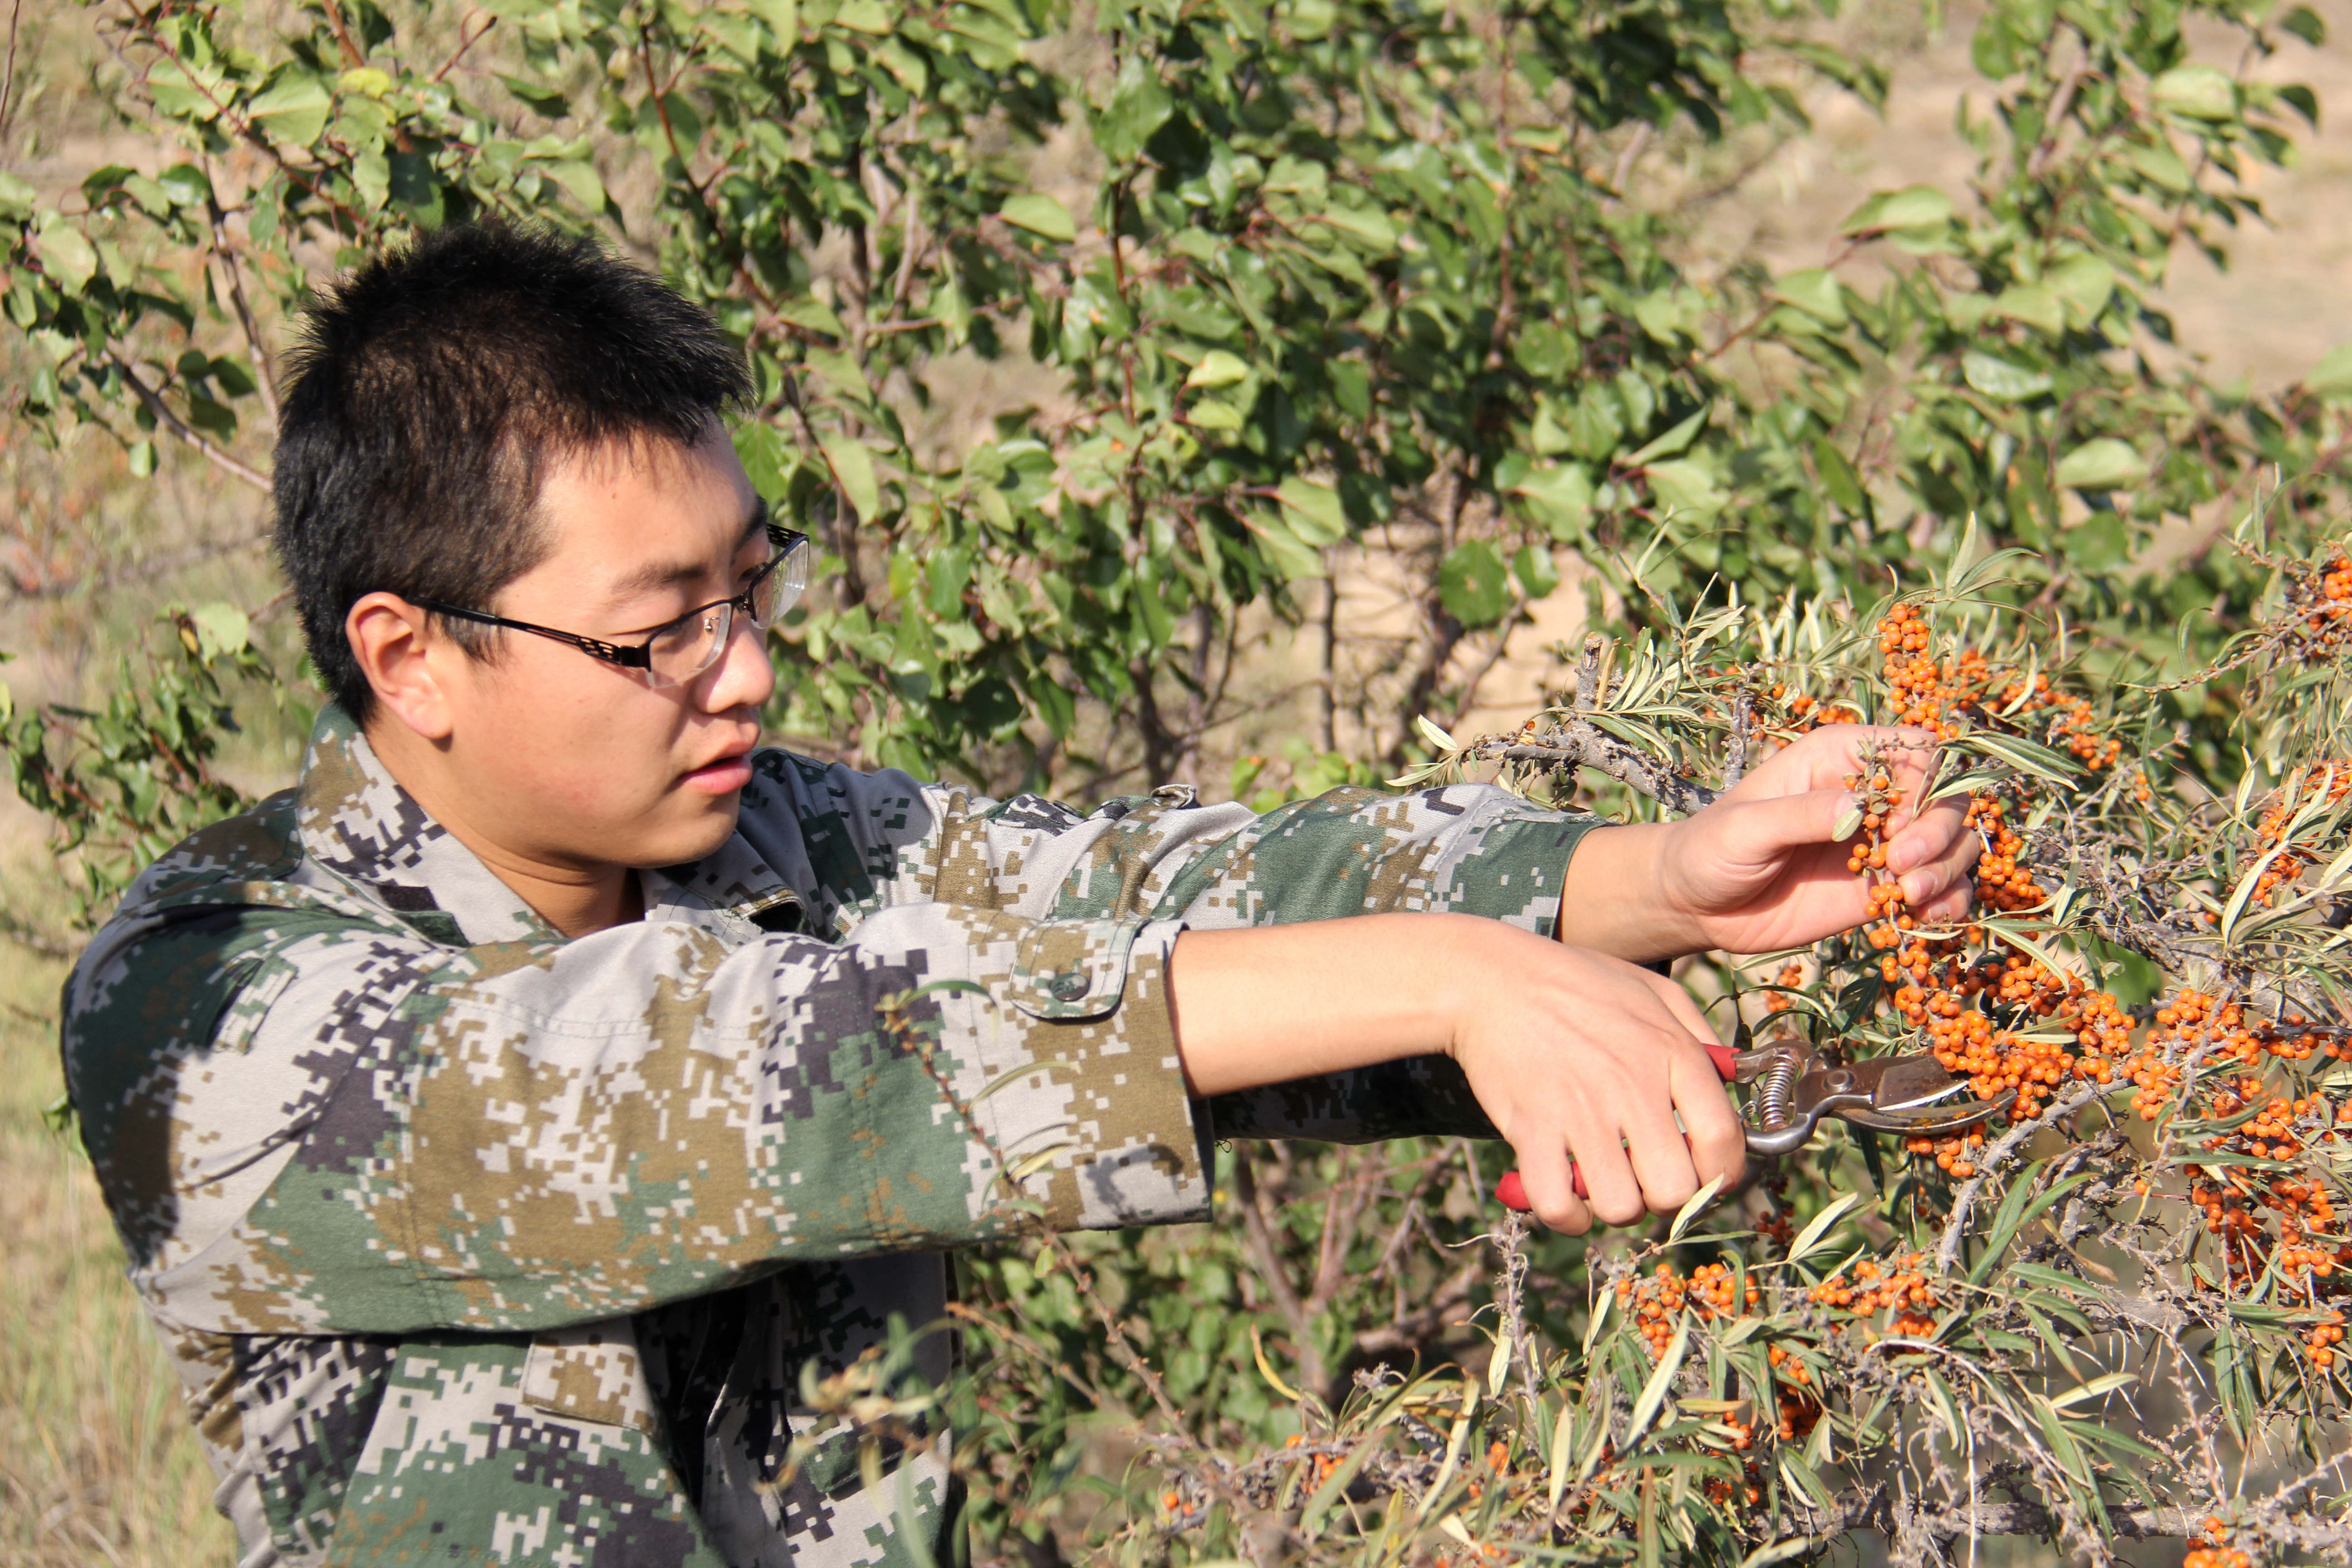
(1682, 1008)
(1938, 880)
(1717, 1141)
(1821, 758)
(1549, 1189)
(1618, 1190)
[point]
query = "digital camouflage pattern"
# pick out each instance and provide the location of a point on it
(475, 1245)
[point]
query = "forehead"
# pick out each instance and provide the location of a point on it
(613, 509)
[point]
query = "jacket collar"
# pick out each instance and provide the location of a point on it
(356, 821)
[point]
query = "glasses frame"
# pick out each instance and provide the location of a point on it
(640, 655)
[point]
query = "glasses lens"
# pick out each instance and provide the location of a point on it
(780, 589)
(684, 648)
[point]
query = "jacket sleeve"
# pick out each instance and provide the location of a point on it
(1466, 847)
(513, 1137)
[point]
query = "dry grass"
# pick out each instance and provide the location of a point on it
(97, 1460)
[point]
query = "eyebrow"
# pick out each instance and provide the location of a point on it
(658, 574)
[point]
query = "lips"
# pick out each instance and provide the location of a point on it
(724, 775)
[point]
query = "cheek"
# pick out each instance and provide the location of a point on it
(595, 750)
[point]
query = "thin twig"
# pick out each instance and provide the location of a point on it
(179, 427)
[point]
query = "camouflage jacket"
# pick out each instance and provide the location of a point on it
(475, 1245)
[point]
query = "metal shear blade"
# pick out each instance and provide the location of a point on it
(1793, 1089)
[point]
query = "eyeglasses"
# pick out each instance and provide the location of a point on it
(678, 650)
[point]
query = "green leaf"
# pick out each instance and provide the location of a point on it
(1210, 414)
(220, 629)
(2101, 465)
(1218, 368)
(1040, 214)
(579, 176)
(853, 470)
(2035, 307)
(1313, 511)
(1291, 558)
(868, 17)
(1473, 585)
(2005, 1222)
(783, 20)
(842, 370)
(1838, 476)
(1690, 1209)
(1538, 573)
(1673, 441)
(17, 197)
(2162, 166)
(2199, 92)
(1817, 292)
(365, 80)
(2332, 377)
(1560, 496)
(554, 102)
(1366, 226)
(813, 314)
(1914, 206)
(2002, 381)
(1139, 105)
(293, 108)
(1779, 1552)
(2085, 284)
(1684, 486)
(2098, 1387)
(67, 257)
(1318, 1506)
(1811, 1237)
(1653, 1393)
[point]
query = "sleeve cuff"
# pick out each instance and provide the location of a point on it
(1101, 1130)
(1516, 872)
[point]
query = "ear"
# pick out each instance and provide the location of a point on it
(403, 657)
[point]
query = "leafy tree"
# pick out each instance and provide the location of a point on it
(1325, 279)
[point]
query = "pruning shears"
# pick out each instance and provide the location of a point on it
(1791, 1088)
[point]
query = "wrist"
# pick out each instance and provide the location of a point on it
(1618, 894)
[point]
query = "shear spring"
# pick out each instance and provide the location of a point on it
(1773, 1094)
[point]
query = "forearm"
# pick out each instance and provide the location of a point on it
(1612, 900)
(1272, 1003)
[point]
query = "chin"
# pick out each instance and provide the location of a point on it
(677, 844)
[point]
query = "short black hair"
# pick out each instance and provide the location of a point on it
(429, 390)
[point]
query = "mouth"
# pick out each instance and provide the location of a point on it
(724, 775)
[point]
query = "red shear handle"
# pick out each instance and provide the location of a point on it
(1512, 1192)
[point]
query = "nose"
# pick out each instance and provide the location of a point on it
(741, 676)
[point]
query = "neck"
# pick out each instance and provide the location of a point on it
(576, 898)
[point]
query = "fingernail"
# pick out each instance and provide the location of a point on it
(1915, 890)
(1904, 854)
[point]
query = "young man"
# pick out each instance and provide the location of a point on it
(499, 1119)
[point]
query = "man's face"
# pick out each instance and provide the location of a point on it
(572, 761)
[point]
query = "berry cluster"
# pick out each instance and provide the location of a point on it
(2209, 1548)
(1942, 695)
(1711, 1290)
(2325, 1338)
(1899, 1285)
(2008, 1022)
(1796, 1409)
(1746, 1492)
(2330, 782)
(2319, 607)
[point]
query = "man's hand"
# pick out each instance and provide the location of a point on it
(1572, 1054)
(1592, 1059)
(1759, 869)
